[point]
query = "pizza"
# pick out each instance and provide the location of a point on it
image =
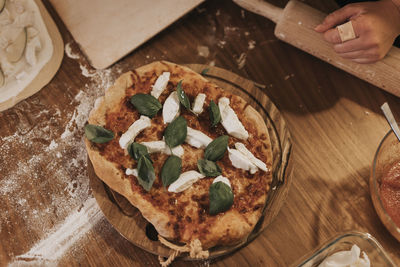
(193, 158)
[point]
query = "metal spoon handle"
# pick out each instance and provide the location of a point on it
(390, 118)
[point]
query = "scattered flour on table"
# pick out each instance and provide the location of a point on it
(251, 44)
(69, 52)
(221, 43)
(203, 51)
(287, 77)
(53, 162)
(241, 61)
(229, 30)
(86, 72)
(60, 240)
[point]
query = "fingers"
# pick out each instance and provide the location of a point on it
(337, 17)
(352, 45)
(365, 60)
(369, 53)
(332, 36)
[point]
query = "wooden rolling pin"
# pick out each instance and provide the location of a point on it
(295, 25)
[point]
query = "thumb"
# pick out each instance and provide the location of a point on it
(337, 17)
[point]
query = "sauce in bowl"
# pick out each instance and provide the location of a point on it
(390, 192)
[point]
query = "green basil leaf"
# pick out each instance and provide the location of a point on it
(137, 150)
(208, 168)
(171, 170)
(216, 149)
(176, 131)
(182, 96)
(98, 134)
(146, 104)
(204, 72)
(221, 198)
(215, 115)
(146, 175)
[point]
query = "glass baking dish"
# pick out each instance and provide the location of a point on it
(366, 242)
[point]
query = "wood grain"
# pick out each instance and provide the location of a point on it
(334, 117)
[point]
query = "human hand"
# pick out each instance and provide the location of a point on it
(376, 26)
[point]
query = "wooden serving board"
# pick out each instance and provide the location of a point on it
(108, 30)
(128, 221)
(49, 69)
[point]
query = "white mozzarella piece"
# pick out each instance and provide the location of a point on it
(198, 103)
(184, 181)
(133, 172)
(240, 161)
(171, 107)
(177, 151)
(160, 84)
(154, 146)
(222, 179)
(129, 136)
(161, 147)
(197, 138)
(242, 148)
(230, 120)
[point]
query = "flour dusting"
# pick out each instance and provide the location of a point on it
(251, 44)
(241, 61)
(203, 51)
(52, 161)
(69, 52)
(57, 243)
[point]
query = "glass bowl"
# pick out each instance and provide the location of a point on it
(387, 154)
(366, 242)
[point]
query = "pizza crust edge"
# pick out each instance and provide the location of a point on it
(220, 233)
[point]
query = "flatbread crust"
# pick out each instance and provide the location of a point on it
(182, 217)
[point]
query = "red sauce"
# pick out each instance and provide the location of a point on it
(390, 192)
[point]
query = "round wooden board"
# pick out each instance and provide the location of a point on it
(49, 69)
(128, 221)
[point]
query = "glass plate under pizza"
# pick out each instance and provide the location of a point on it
(127, 219)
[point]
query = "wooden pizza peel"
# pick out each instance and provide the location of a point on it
(108, 30)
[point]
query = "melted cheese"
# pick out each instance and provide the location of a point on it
(161, 147)
(184, 181)
(160, 84)
(129, 136)
(198, 103)
(197, 138)
(171, 107)
(240, 161)
(230, 120)
(133, 172)
(223, 180)
(242, 149)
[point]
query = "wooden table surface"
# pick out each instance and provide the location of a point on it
(48, 215)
